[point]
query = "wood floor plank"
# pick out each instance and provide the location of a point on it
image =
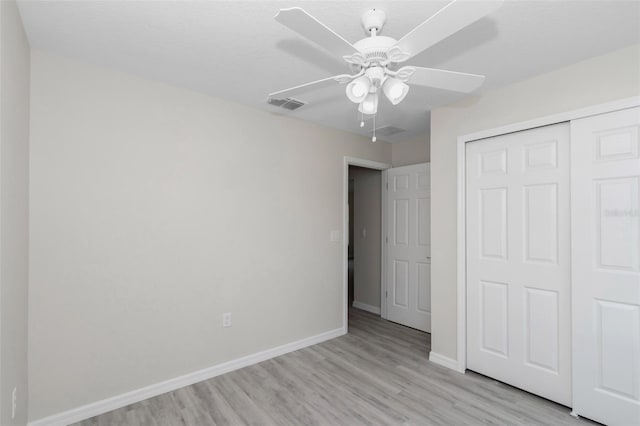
(377, 374)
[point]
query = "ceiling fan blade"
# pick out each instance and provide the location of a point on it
(307, 26)
(447, 80)
(314, 85)
(448, 20)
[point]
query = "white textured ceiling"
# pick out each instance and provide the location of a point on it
(237, 51)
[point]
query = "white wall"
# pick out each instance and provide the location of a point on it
(14, 212)
(367, 200)
(412, 151)
(156, 209)
(594, 81)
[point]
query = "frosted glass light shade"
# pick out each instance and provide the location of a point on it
(370, 104)
(358, 89)
(395, 90)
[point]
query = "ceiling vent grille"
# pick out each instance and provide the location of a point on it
(288, 103)
(388, 131)
(276, 102)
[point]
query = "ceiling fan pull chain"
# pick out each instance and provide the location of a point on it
(373, 139)
(362, 119)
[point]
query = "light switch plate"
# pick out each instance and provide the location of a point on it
(334, 236)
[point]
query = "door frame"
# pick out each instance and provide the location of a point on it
(460, 364)
(375, 165)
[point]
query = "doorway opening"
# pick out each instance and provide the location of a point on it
(363, 228)
(364, 243)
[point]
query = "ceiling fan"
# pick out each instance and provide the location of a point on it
(376, 60)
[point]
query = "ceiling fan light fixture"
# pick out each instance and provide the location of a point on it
(395, 90)
(358, 89)
(375, 61)
(376, 75)
(370, 104)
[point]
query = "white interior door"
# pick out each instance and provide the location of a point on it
(518, 260)
(605, 168)
(408, 268)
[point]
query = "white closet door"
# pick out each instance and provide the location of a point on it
(408, 266)
(518, 260)
(605, 187)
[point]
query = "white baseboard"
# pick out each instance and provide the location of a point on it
(99, 407)
(444, 361)
(365, 307)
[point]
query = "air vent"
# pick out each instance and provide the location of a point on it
(288, 103)
(388, 131)
(276, 102)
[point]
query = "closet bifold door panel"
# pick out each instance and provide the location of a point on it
(605, 198)
(518, 260)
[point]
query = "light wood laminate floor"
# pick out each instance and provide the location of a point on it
(378, 374)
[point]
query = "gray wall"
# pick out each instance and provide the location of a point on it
(14, 212)
(594, 81)
(367, 216)
(412, 151)
(156, 209)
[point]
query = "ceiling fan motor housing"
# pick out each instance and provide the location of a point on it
(375, 48)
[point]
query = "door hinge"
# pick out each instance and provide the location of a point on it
(387, 185)
(386, 294)
(386, 240)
